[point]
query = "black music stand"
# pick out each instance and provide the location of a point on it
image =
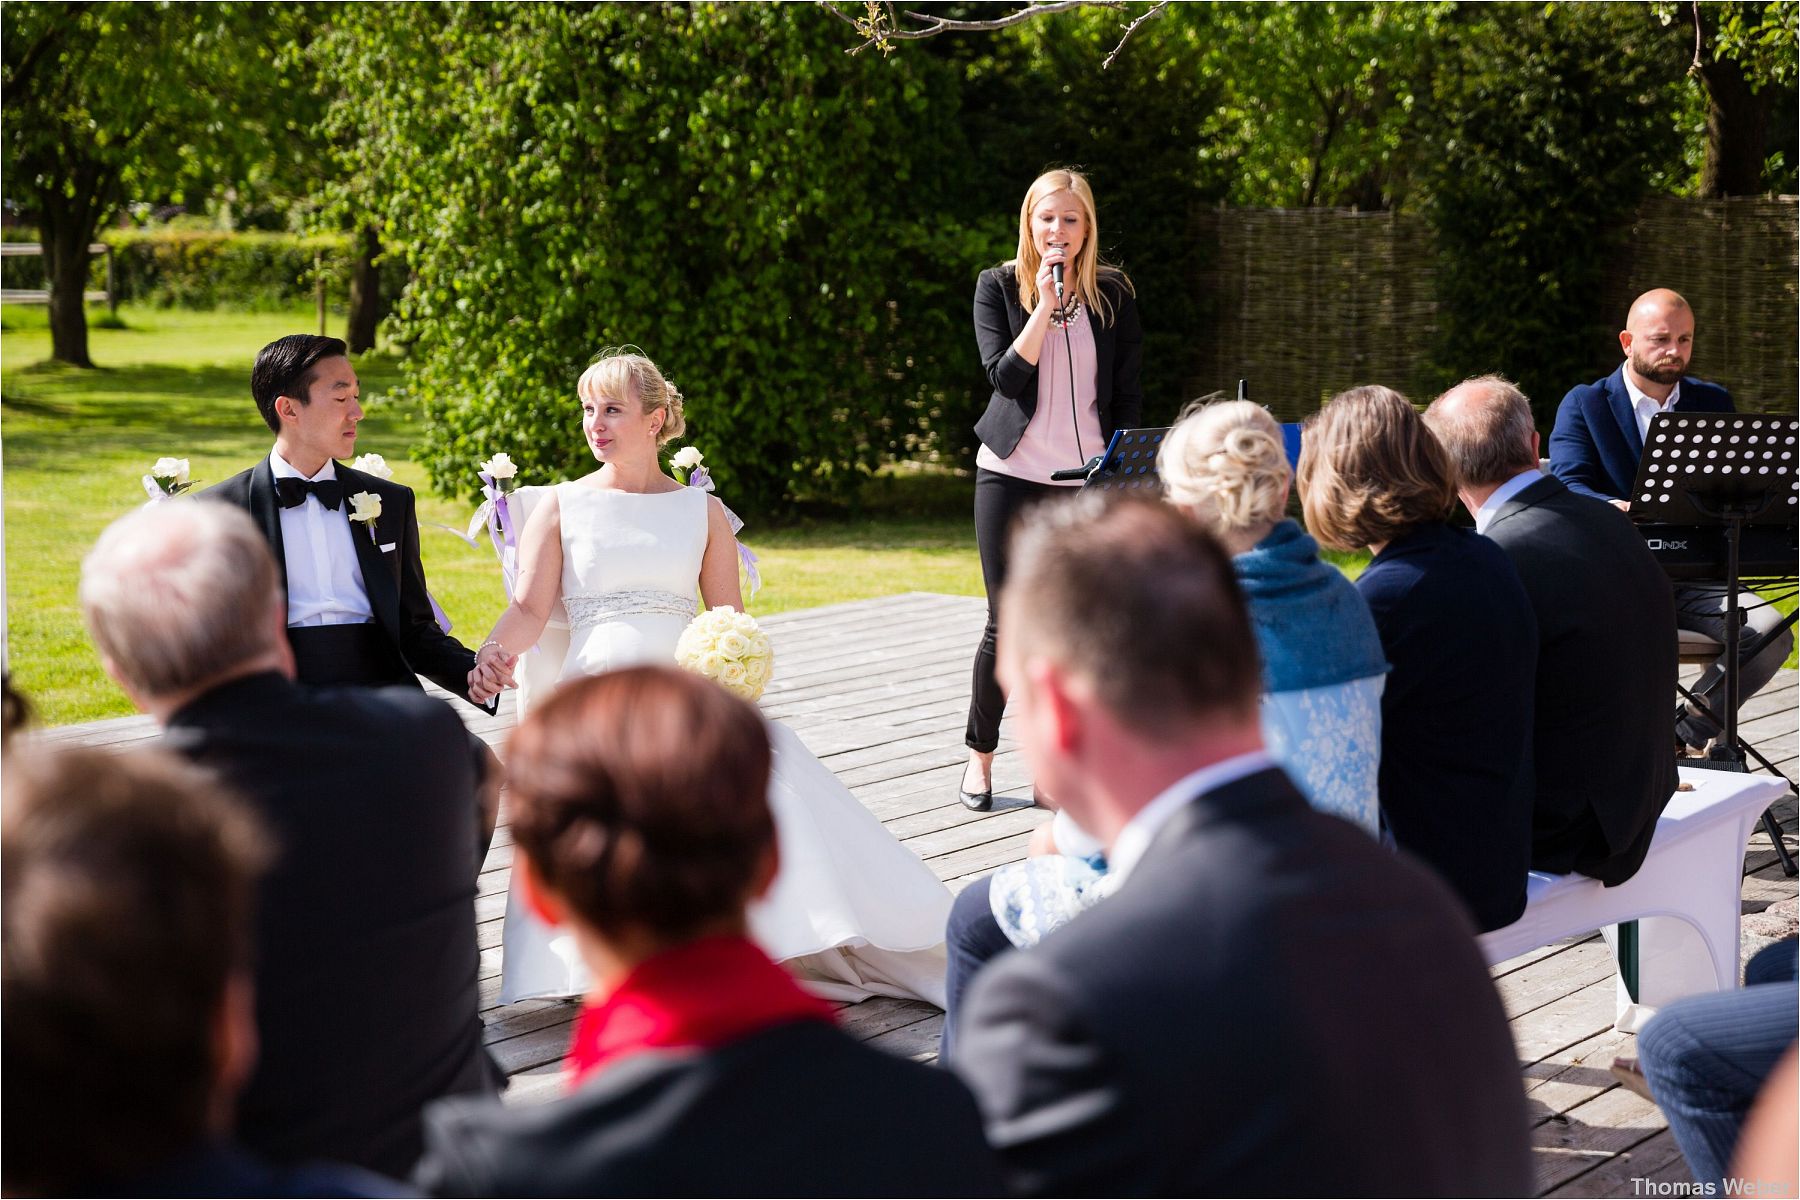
(1732, 470)
(1128, 464)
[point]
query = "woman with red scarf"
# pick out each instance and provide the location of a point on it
(698, 1066)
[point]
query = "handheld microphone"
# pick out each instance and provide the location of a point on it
(1056, 277)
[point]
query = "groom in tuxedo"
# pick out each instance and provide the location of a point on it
(346, 543)
(1270, 1002)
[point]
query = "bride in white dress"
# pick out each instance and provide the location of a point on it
(852, 912)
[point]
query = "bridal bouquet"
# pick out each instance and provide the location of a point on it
(729, 648)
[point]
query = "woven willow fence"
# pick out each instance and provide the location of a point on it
(1309, 301)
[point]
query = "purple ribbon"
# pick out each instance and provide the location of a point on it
(500, 529)
(437, 612)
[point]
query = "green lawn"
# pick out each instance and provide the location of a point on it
(176, 383)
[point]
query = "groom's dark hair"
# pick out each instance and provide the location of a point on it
(284, 367)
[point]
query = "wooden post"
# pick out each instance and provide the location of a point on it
(319, 287)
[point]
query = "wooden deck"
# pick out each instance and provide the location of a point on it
(878, 690)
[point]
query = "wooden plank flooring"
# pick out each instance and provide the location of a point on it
(878, 690)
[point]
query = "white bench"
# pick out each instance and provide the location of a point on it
(1687, 897)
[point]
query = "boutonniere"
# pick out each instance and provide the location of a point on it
(366, 507)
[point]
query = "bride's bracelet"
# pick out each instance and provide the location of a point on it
(486, 644)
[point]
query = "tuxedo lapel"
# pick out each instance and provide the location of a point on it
(266, 510)
(1619, 400)
(378, 576)
(1526, 498)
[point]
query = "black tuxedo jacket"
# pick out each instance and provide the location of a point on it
(1118, 354)
(1605, 671)
(800, 1109)
(393, 578)
(1269, 996)
(366, 997)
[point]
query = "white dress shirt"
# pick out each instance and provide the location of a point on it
(324, 579)
(1133, 840)
(1506, 491)
(1645, 406)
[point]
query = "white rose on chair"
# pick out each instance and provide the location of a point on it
(373, 464)
(728, 648)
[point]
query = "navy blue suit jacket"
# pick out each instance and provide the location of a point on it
(1595, 446)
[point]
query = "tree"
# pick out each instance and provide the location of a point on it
(104, 102)
(716, 184)
(1744, 56)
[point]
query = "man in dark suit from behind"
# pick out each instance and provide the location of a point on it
(357, 608)
(1271, 1003)
(129, 1025)
(1594, 449)
(366, 998)
(1606, 637)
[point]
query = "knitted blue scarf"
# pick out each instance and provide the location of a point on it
(1312, 627)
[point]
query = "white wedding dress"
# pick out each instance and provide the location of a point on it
(852, 912)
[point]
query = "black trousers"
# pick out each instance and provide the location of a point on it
(999, 499)
(347, 656)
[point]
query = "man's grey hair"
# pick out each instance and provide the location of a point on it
(178, 593)
(1488, 437)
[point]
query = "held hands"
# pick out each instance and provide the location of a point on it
(493, 672)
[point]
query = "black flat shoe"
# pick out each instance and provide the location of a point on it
(976, 801)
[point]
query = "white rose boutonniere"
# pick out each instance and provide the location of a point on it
(167, 477)
(373, 464)
(366, 507)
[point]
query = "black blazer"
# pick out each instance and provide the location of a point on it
(1269, 996)
(1456, 775)
(1118, 354)
(394, 579)
(366, 998)
(1606, 669)
(800, 1109)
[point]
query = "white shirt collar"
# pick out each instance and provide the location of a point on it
(1506, 491)
(1134, 840)
(284, 470)
(1640, 398)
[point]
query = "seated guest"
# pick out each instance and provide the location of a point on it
(1606, 637)
(1457, 626)
(126, 986)
(1269, 993)
(1321, 678)
(639, 806)
(1706, 1059)
(366, 1000)
(1594, 449)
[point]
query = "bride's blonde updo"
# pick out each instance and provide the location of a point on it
(1225, 463)
(622, 372)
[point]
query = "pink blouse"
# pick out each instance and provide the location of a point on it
(1050, 442)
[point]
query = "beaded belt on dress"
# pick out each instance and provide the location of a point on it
(592, 608)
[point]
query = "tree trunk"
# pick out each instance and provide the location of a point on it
(1737, 126)
(66, 272)
(365, 292)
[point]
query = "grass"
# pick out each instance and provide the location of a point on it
(176, 383)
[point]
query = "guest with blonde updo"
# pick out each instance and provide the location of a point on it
(1323, 667)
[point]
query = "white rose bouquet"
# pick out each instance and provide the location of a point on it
(168, 477)
(729, 648)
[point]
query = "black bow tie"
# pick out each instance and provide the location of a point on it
(293, 492)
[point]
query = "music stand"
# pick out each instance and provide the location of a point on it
(1732, 470)
(1128, 464)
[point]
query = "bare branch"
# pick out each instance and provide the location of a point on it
(937, 25)
(1155, 10)
(840, 14)
(1696, 68)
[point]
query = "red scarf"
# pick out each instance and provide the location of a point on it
(702, 994)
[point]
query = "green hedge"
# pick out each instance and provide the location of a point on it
(212, 269)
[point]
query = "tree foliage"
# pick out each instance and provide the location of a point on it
(106, 102)
(713, 184)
